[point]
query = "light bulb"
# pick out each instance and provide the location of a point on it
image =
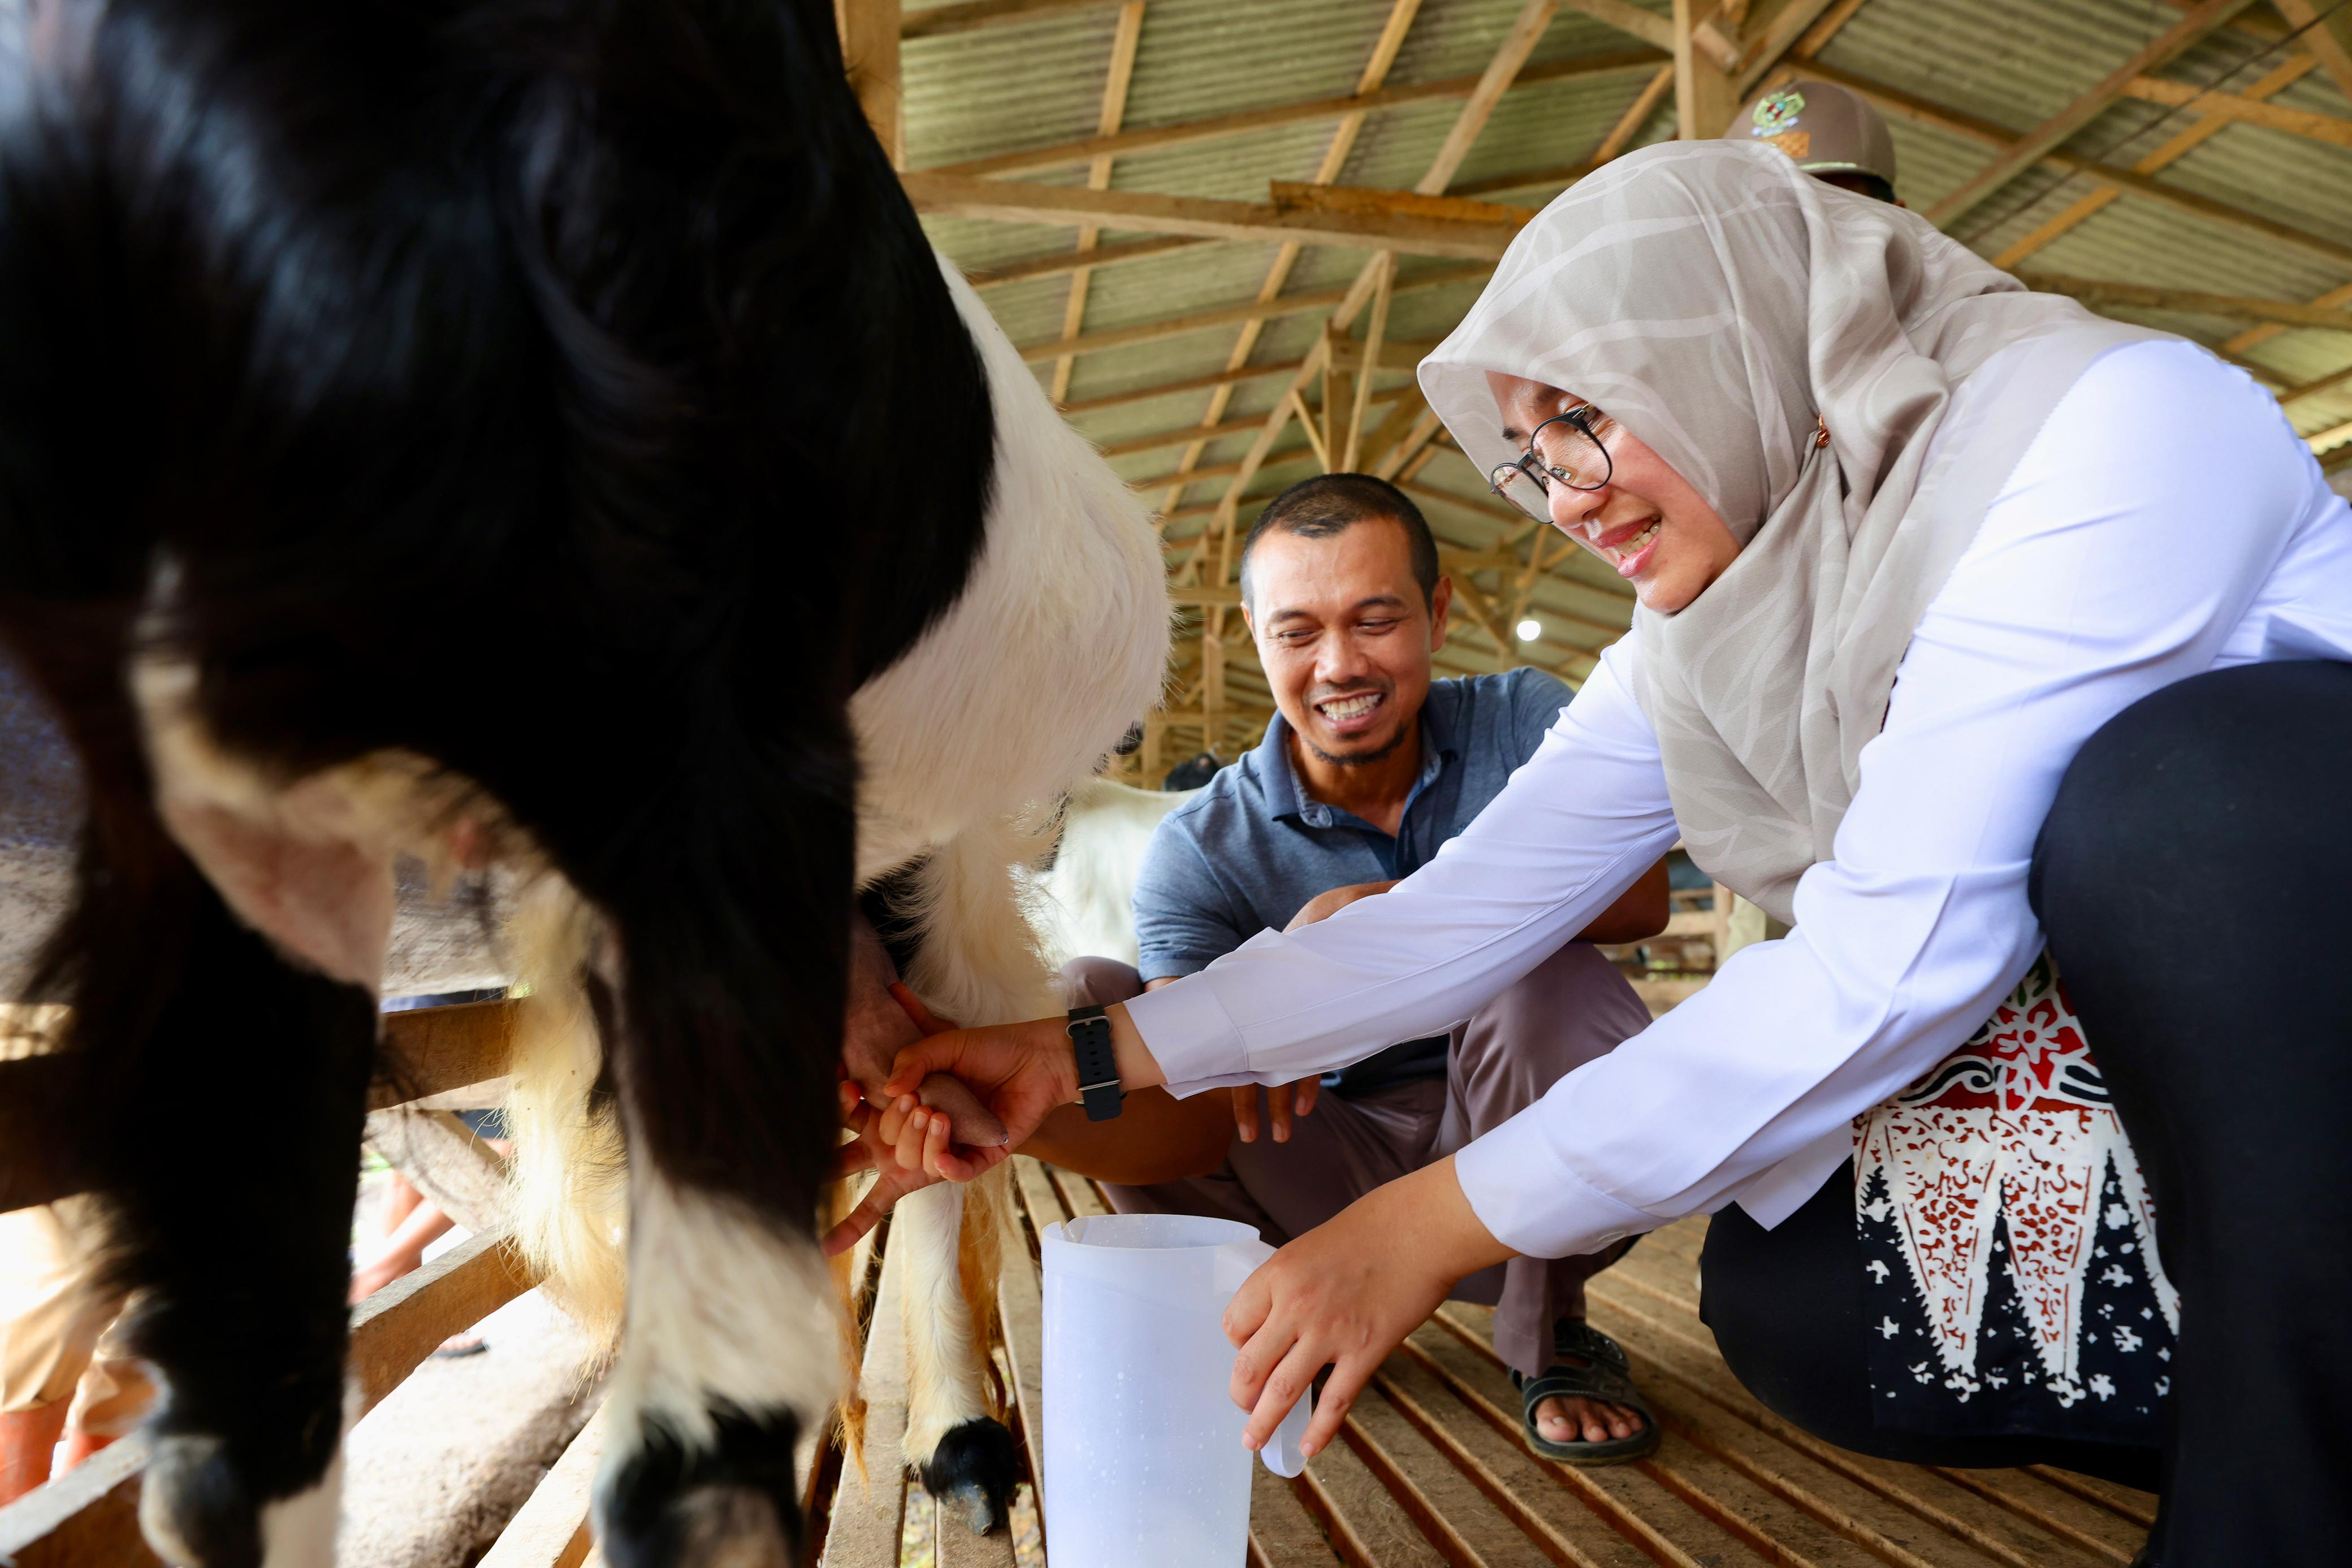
(1530, 630)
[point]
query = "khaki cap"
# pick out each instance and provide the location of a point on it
(1827, 128)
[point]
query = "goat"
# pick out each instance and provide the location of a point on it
(533, 432)
(1083, 904)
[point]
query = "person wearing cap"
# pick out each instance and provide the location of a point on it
(1829, 132)
(2004, 651)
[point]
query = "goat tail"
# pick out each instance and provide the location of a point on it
(570, 1173)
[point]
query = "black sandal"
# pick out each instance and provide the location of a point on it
(1592, 1366)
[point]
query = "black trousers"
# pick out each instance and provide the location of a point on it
(2194, 880)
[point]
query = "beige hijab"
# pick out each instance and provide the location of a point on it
(1718, 303)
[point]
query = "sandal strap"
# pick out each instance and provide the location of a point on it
(1574, 1336)
(1594, 1381)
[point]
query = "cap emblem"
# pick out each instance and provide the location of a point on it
(1777, 111)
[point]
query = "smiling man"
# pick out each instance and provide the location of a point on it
(1368, 768)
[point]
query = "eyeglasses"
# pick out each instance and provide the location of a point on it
(1564, 447)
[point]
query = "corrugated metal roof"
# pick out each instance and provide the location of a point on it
(2009, 63)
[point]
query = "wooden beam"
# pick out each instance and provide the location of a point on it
(443, 1159)
(1008, 201)
(1822, 31)
(2328, 440)
(1375, 338)
(869, 47)
(1178, 326)
(1168, 438)
(1706, 95)
(1125, 39)
(2170, 151)
(1083, 405)
(2326, 30)
(1507, 60)
(1387, 44)
(1296, 195)
(2230, 107)
(431, 1051)
(1630, 19)
(1060, 262)
(2045, 137)
(552, 1529)
(1212, 127)
(1637, 115)
(973, 15)
(1403, 418)
(2319, 384)
(2236, 307)
(1896, 101)
(1764, 46)
(1526, 31)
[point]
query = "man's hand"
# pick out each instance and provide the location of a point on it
(1291, 1101)
(1324, 905)
(1286, 1101)
(1347, 1293)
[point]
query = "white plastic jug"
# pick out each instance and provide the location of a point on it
(1144, 1462)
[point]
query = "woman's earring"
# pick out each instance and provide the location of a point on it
(1823, 438)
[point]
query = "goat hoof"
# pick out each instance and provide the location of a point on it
(730, 1504)
(195, 1508)
(974, 1471)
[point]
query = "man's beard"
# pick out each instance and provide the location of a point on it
(1361, 758)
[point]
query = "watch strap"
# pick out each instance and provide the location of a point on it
(1098, 1089)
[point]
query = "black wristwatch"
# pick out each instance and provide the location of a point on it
(1089, 1034)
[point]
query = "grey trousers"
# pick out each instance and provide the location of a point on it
(1572, 1007)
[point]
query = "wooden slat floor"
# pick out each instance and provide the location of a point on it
(1434, 1474)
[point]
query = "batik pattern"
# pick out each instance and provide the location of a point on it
(2009, 1240)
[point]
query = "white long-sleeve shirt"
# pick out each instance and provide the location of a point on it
(2166, 521)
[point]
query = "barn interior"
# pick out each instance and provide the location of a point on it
(1223, 233)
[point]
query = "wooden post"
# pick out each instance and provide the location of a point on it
(1339, 378)
(1374, 337)
(1212, 681)
(1706, 95)
(869, 47)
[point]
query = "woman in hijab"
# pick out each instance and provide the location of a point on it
(2000, 651)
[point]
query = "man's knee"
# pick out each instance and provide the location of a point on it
(1092, 982)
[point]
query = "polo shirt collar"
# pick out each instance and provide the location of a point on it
(1279, 778)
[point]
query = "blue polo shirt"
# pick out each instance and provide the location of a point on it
(1248, 851)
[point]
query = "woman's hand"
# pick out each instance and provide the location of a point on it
(1347, 1293)
(1020, 1071)
(909, 1145)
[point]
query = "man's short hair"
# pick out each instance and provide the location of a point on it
(1330, 504)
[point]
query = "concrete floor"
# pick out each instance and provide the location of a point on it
(435, 1472)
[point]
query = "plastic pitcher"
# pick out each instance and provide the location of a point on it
(1144, 1462)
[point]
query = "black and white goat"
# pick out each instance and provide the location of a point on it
(535, 430)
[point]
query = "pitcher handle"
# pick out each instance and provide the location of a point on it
(1283, 1453)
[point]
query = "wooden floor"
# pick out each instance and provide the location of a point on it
(1434, 1471)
